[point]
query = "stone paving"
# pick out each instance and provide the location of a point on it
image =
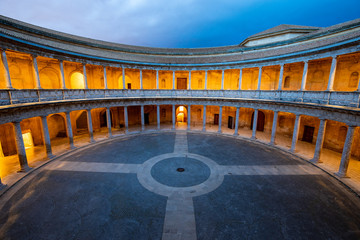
(129, 188)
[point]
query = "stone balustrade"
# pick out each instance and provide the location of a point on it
(16, 96)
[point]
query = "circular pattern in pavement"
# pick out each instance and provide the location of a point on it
(180, 172)
(157, 180)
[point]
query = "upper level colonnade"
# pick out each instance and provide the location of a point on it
(318, 79)
(322, 62)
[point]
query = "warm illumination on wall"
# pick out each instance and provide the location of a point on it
(1, 151)
(28, 140)
(77, 81)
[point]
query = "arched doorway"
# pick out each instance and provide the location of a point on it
(181, 114)
(260, 121)
(77, 80)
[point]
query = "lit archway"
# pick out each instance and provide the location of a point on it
(181, 114)
(77, 80)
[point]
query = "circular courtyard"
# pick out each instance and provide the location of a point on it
(179, 185)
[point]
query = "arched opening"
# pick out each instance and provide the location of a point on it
(260, 121)
(354, 80)
(77, 81)
(287, 82)
(181, 114)
(49, 78)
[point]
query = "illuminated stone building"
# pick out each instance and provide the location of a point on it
(292, 87)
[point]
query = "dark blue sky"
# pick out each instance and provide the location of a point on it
(178, 24)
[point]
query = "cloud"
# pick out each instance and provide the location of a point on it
(164, 23)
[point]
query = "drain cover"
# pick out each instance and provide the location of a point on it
(180, 169)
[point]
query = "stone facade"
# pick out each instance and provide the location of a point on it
(67, 87)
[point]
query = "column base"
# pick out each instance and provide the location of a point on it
(24, 169)
(110, 136)
(219, 131)
(2, 186)
(236, 134)
(72, 147)
(253, 138)
(50, 156)
(341, 175)
(313, 160)
(92, 140)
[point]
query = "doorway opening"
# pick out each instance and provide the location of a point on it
(308, 134)
(181, 83)
(260, 124)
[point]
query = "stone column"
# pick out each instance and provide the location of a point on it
(108, 119)
(46, 136)
(142, 118)
(240, 78)
(346, 153)
(90, 126)
(173, 80)
(24, 167)
(222, 79)
(69, 130)
(259, 78)
(62, 75)
(295, 133)
(332, 74)
(126, 120)
(220, 119)
(6, 68)
(304, 77)
(281, 76)
(189, 117)
(105, 79)
(123, 77)
(237, 121)
(189, 80)
(158, 116)
(204, 119)
(274, 126)
(206, 73)
(358, 89)
(319, 141)
(157, 79)
(85, 76)
(173, 117)
(36, 72)
(254, 126)
(141, 79)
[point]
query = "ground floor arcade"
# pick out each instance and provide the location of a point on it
(331, 144)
